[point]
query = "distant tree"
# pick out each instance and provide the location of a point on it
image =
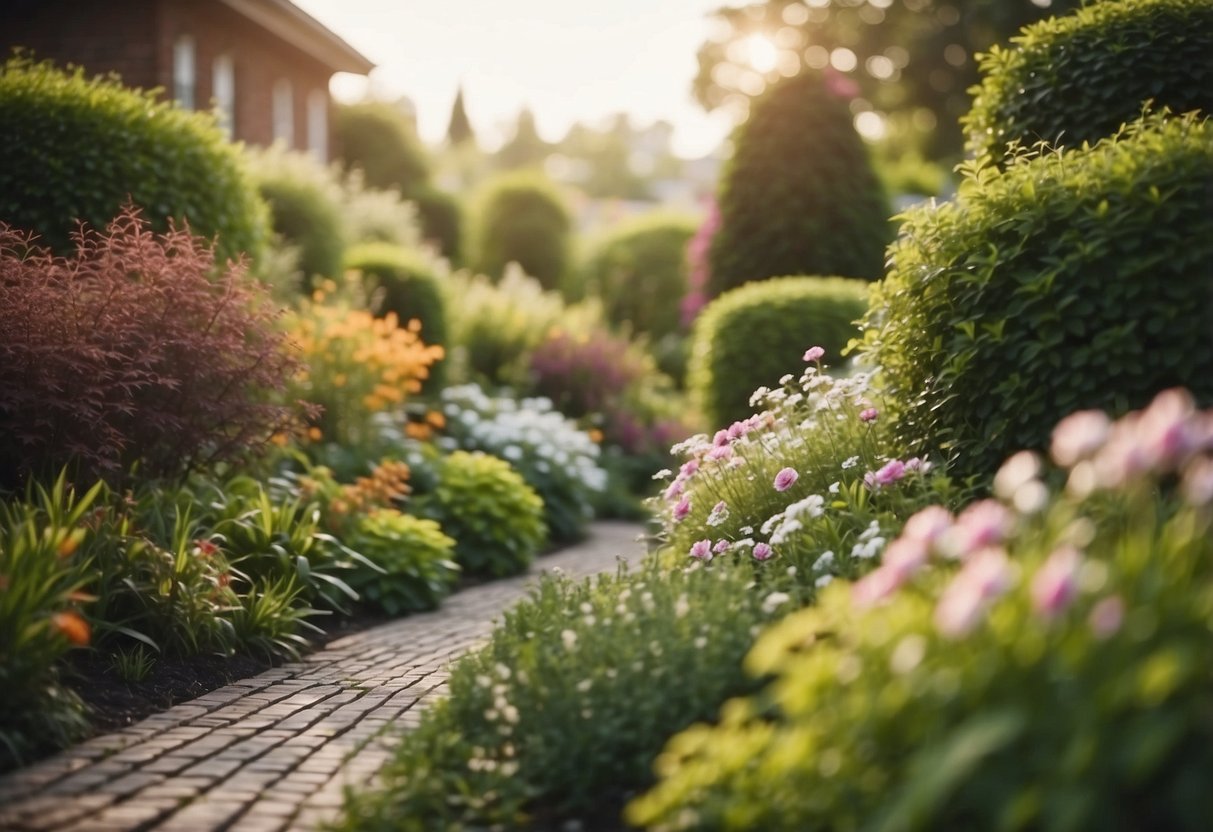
(527, 148)
(459, 131)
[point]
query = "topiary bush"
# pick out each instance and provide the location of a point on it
(640, 271)
(78, 149)
(753, 335)
(522, 218)
(440, 215)
(378, 138)
(495, 518)
(1078, 77)
(1072, 280)
(1039, 661)
(404, 282)
(133, 351)
(799, 195)
(305, 206)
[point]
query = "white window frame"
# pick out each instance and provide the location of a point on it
(223, 88)
(283, 107)
(185, 72)
(318, 124)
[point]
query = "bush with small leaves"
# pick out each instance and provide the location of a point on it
(440, 215)
(1071, 280)
(495, 518)
(378, 138)
(78, 149)
(415, 560)
(522, 218)
(132, 351)
(1076, 78)
(800, 195)
(755, 334)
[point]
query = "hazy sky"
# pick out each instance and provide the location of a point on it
(568, 60)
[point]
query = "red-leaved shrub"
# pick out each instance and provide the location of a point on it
(137, 349)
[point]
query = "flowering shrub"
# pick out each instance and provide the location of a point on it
(131, 351)
(1038, 661)
(562, 712)
(495, 518)
(356, 365)
(554, 457)
(699, 269)
(808, 482)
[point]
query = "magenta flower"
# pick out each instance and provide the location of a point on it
(1106, 617)
(1056, 582)
(762, 551)
(814, 354)
(785, 479)
(674, 490)
(689, 468)
(891, 472)
(722, 452)
(721, 438)
(702, 550)
(682, 509)
(868, 414)
(721, 546)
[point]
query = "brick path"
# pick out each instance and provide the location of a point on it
(273, 752)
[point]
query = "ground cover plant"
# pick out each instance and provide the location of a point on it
(79, 149)
(1038, 661)
(132, 351)
(1071, 280)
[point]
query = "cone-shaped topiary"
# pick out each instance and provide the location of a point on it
(522, 218)
(799, 195)
(1077, 78)
(754, 334)
(78, 149)
(1081, 279)
(404, 282)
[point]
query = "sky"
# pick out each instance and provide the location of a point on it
(567, 60)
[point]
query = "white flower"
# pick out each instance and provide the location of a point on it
(871, 531)
(569, 638)
(824, 562)
(812, 505)
(834, 487)
(682, 606)
(850, 462)
(773, 601)
(823, 581)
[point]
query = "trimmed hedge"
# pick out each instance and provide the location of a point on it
(77, 149)
(1077, 78)
(756, 334)
(1074, 280)
(799, 195)
(522, 218)
(639, 270)
(378, 138)
(440, 215)
(411, 288)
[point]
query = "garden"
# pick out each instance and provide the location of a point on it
(930, 495)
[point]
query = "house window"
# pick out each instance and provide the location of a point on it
(223, 83)
(318, 124)
(284, 112)
(184, 75)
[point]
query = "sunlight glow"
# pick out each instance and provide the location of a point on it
(761, 53)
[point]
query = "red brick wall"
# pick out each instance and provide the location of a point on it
(135, 38)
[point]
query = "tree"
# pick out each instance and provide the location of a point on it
(527, 148)
(459, 131)
(910, 57)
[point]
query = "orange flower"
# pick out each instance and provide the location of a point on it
(69, 544)
(72, 626)
(314, 434)
(418, 431)
(595, 435)
(436, 419)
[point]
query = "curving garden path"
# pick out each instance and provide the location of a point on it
(274, 751)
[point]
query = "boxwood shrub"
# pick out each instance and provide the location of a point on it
(1078, 77)
(639, 270)
(406, 283)
(799, 195)
(76, 148)
(521, 217)
(755, 334)
(1072, 280)
(440, 215)
(378, 138)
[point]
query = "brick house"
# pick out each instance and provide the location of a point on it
(264, 65)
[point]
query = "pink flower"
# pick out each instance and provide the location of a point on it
(785, 479)
(814, 354)
(682, 509)
(1167, 429)
(928, 525)
(982, 524)
(1078, 437)
(721, 438)
(1056, 582)
(1106, 617)
(688, 468)
(905, 556)
(876, 586)
(762, 551)
(719, 513)
(919, 465)
(721, 546)
(702, 550)
(674, 490)
(986, 576)
(720, 452)
(738, 430)
(891, 472)
(868, 414)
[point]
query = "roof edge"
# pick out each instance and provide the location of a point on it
(303, 31)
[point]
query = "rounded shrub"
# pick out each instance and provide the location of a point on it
(1072, 280)
(378, 138)
(640, 271)
(440, 216)
(405, 283)
(799, 195)
(1078, 77)
(78, 149)
(756, 334)
(495, 518)
(306, 208)
(415, 556)
(522, 218)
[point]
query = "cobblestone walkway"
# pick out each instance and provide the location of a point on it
(273, 752)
